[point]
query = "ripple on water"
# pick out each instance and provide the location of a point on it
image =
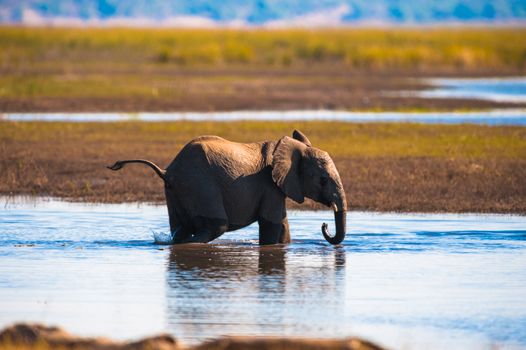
(403, 280)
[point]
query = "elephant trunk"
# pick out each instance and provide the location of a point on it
(340, 214)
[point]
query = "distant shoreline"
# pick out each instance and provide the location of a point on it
(252, 90)
(166, 70)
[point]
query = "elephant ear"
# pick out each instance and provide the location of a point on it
(298, 135)
(286, 164)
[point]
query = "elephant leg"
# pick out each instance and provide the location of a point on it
(285, 232)
(208, 229)
(269, 232)
(273, 224)
(179, 228)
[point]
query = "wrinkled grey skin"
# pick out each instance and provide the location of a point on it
(214, 185)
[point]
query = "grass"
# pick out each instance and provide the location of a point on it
(340, 139)
(356, 48)
(402, 167)
(119, 69)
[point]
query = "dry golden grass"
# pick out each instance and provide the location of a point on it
(377, 48)
(402, 167)
(118, 69)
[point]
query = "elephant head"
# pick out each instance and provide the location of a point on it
(301, 170)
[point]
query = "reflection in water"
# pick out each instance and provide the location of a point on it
(215, 290)
(339, 258)
(407, 281)
(271, 261)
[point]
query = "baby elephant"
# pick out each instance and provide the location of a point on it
(214, 185)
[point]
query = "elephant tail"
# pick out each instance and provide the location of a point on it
(120, 164)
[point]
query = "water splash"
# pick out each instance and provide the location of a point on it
(162, 238)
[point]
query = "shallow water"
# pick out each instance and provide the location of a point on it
(490, 89)
(492, 117)
(511, 90)
(407, 281)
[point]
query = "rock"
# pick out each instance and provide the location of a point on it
(269, 343)
(40, 337)
(36, 336)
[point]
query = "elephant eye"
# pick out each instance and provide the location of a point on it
(323, 180)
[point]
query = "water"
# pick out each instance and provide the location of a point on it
(511, 90)
(492, 117)
(406, 281)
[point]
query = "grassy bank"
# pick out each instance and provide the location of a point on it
(403, 167)
(103, 69)
(456, 48)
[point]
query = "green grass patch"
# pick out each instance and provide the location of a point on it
(339, 139)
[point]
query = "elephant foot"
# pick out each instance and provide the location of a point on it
(207, 230)
(180, 235)
(202, 237)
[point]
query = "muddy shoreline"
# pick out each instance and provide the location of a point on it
(264, 89)
(384, 167)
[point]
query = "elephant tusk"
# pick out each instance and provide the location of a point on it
(334, 207)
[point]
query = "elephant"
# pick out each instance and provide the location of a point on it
(214, 185)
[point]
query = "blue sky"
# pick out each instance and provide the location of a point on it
(261, 12)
